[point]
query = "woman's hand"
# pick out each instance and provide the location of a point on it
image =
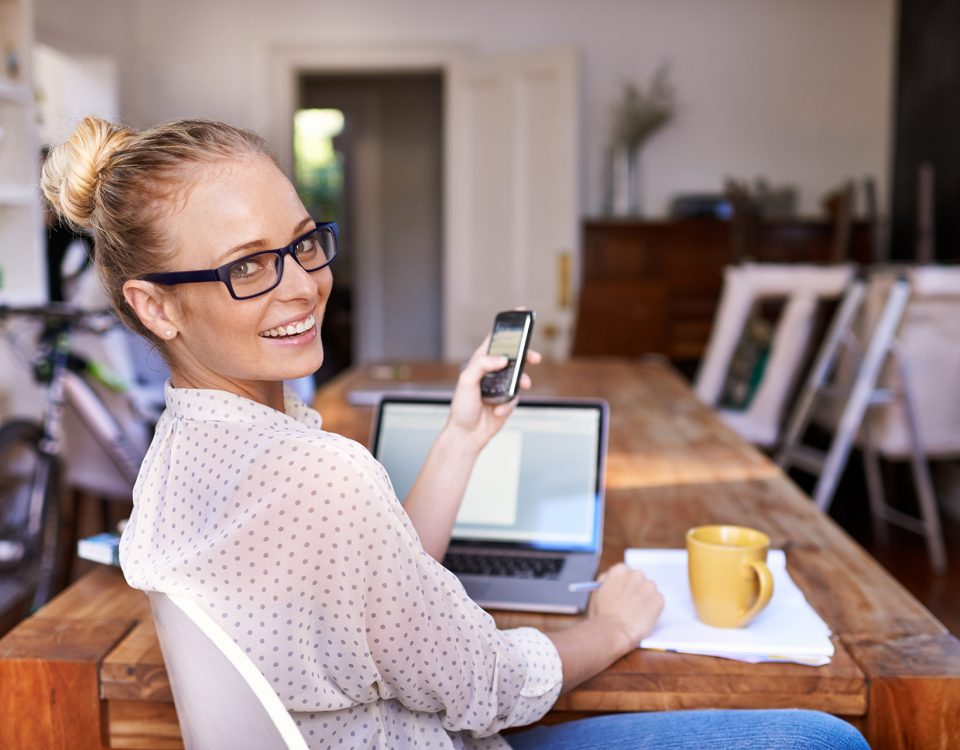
(435, 497)
(474, 420)
(629, 600)
(622, 613)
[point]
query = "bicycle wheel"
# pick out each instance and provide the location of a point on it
(29, 511)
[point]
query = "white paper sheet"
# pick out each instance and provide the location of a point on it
(787, 630)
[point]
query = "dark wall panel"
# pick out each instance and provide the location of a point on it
(927, 125)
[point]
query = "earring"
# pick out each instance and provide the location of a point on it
(169, 334)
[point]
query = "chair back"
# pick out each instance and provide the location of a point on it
(222, 699)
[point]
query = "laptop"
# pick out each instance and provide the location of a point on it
(531, 521)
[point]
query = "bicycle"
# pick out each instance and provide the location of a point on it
(31, 463)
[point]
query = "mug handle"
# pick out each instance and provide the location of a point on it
(766, 591)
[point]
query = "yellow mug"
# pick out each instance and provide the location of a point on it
(729, 578)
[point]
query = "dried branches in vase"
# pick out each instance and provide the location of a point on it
(635, 119)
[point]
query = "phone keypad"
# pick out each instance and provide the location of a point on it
(498, 382)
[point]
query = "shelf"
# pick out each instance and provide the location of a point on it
(18, 298)
(17, 195)
(18, 93)
(21, 221)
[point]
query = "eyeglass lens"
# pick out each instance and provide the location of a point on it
(260, 272)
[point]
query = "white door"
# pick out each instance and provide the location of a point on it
(511, 190)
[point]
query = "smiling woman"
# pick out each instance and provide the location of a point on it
(289, 536)
(192, 195)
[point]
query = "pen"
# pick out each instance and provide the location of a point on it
(584, 586)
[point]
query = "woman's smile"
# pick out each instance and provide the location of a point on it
(293, 328)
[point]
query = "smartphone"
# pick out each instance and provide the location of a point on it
(512, 330)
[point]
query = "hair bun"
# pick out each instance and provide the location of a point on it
(72, 170)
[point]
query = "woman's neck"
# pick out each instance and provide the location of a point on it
(266, 392)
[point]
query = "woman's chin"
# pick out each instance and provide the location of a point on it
(306, 365)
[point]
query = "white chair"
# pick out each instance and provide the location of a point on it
(222, 699)
(803, 287)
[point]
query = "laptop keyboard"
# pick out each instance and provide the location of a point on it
(511, 566)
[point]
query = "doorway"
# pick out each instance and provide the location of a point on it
(368, 153)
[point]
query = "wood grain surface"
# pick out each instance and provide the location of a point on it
(143, 725)
(134, 670)
(672, 465)
(50, 685)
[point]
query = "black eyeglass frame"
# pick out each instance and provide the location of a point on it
(222, 273)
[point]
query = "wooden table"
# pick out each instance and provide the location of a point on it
(86, 671)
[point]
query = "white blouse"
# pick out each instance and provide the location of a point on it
(293, 540)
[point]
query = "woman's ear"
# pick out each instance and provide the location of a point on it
(153, 307)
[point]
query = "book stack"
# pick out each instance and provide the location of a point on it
(102, 548)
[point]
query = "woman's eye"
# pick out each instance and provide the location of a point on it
(244, 269)
(307, 249)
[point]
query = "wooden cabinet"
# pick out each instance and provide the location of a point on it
(653, 286)
(21, 232)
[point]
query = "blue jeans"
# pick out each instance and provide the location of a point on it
(788, 729)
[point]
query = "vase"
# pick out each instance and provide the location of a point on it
(624, 183)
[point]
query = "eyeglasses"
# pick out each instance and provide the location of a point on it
(258, 273)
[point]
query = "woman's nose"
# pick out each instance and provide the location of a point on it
(296, 282)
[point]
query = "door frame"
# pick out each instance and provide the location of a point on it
(285, 64)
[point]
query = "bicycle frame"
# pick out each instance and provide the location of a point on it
(103, 426)
(69, 380)
(66, 386)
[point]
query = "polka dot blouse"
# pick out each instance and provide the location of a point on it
(293, 540)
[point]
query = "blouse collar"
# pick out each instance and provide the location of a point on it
(211, 405)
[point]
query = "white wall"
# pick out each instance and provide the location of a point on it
(797, 90)
(71, 87)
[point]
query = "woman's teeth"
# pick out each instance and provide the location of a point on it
(291, 330)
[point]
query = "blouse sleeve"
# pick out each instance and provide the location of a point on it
(389, 622)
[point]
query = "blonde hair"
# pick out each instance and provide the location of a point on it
(119, 182)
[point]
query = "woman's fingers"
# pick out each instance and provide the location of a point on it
(630, 598)
(503, 410)
(484, 345)
(479, 365)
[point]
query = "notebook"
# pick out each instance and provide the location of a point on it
(789, 629)
(531, 520)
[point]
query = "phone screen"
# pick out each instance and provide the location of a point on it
(507, 337)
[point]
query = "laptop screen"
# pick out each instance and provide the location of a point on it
(538, 483)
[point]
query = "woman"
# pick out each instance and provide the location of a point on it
(291, 537)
